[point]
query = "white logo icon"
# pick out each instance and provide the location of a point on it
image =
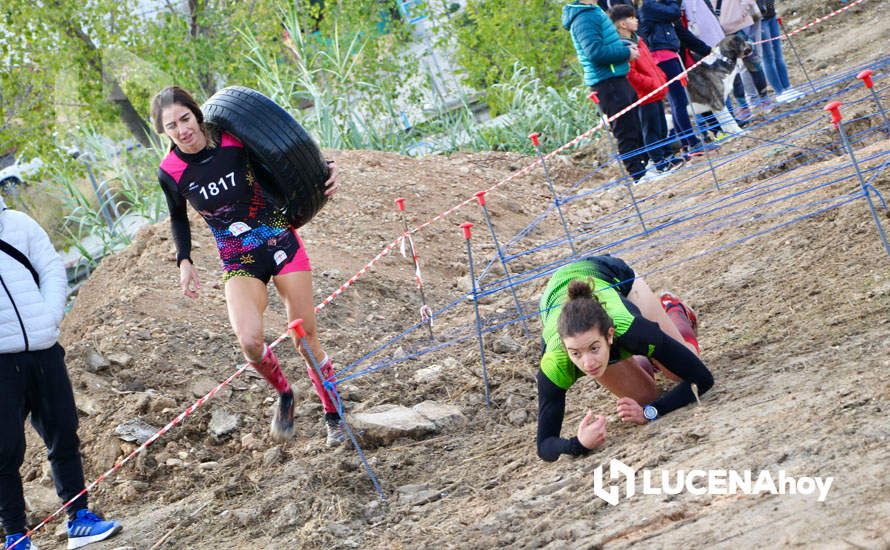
(616, 470)
(280, 256)
(238, 228)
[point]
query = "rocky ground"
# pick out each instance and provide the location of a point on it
(794, 324)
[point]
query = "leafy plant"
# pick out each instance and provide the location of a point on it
(322, 82)
(534, 106)
(494, 37)
(94, 202)
(531, 105)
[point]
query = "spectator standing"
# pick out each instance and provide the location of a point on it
(34, 380)
(645, 77)
(662, 31)
(773, 59)
(702, 21)
(606, 62)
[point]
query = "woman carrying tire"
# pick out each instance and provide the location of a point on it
(210, 170)
(601, 320)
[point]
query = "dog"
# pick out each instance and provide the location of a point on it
(709, 84)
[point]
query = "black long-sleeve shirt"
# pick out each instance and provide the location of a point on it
(690, 41)
(221, 184)
(642, 336)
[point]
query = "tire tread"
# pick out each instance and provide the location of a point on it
(274, 138)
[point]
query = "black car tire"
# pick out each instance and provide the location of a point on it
(287, 160)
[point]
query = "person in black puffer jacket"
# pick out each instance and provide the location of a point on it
(662, 31)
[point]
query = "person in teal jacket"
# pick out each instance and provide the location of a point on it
(606, 61)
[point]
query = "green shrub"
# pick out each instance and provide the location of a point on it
(493, 37)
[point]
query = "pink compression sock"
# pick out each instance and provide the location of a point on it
(327, 370)
(681, 321)
(270, 369)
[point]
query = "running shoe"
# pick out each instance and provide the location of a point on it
(336, 433)
(789, 95)
(765, 103)
(21, 542)
(669, 165)
(701, 149)
(87, 528)
(650, 175)
(283, 419)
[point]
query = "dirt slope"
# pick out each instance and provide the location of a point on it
(794, 324)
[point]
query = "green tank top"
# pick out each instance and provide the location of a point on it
(555, 362)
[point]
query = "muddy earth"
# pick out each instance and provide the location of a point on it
(783, 264)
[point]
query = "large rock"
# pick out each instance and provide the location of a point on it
(417, 495)
(440, 414)
(95, 362)
(222, 423)
(384, 424)
(428, 374)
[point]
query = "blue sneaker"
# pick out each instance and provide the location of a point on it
(87, 528)
(23, 542)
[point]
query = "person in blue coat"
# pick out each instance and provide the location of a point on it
(605, 59)
(662, 31)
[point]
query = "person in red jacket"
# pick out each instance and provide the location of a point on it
(645, 76)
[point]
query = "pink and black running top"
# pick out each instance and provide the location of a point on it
(245, 220)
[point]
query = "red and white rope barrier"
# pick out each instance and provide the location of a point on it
(826, 17)
(812, 23)
(182, 416)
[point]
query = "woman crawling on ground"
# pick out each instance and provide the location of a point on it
(601, 320)
(210, 170)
